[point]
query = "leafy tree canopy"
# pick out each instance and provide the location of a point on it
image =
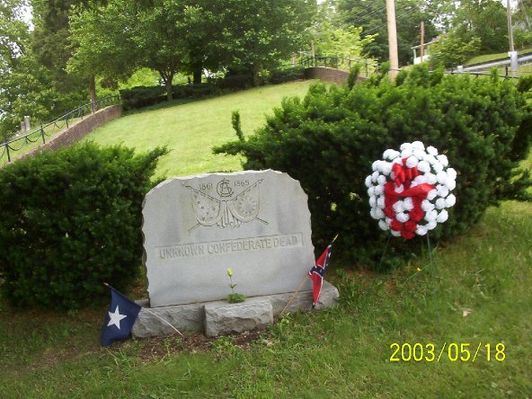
(332, 38)
(259, 34)
(485, 19)
(371, 16)
(25, 86)
(173, 35)
(451, 50)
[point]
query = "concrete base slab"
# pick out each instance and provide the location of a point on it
(152, 322)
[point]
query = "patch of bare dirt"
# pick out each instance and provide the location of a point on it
(158, 347)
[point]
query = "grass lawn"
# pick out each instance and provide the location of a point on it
(490, 57)
(190, 130)
(478, 293)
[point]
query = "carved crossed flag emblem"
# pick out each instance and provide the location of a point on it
(229, 210)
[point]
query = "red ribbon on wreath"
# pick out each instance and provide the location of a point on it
(404, 175)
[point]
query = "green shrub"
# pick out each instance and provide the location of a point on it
(139, 97)
(235, 82)
(524, 84)
(329, 140)
(287, 75)
(142, 96)
(194, 90)
(71, 220)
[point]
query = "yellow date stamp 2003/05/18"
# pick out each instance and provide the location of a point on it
(450, 351)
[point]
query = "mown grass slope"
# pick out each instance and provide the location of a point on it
(190, 130)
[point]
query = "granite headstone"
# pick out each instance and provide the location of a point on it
(256, 222)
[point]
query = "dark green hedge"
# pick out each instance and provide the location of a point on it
(143, 96)
(286, 75)
(329, 140)
(71, 220)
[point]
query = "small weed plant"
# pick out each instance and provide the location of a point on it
(233, 297)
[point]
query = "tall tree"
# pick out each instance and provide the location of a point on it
(522, 21)
(24, 84)
(14, 34)
(332, 38)
(452, 50)
(188, 35)
(52, 45)
(259, 34)
(485, 19)
(203, 22)
(371, 16)
(159, 35)
(522, 16)
(100, 45)
(50, 40)
(115, 39)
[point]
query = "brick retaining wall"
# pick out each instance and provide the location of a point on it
(80, 129)
(329, 75)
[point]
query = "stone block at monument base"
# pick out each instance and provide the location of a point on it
(227, 318)
(224, 317)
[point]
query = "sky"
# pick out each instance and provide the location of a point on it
(27, 17)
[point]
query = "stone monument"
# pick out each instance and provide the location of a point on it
(255, 222)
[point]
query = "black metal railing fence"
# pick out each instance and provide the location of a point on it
(44, 131)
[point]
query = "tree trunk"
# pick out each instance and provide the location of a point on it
(167, 78)
(92, 94)
(169, 94)
(197, 75)
(255, 71)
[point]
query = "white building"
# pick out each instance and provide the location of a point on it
(426, 52)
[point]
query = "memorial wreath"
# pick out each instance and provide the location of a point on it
(410, 190)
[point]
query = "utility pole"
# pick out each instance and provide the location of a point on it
(392, 38)
(313, 53)
(422, 36)
(512, 53)
(510, 29)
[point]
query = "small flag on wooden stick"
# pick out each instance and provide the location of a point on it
(119, 319)
(318, 271)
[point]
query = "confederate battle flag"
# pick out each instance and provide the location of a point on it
(317, 272)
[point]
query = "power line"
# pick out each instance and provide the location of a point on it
(378, 27)
(399, 14)
(356, 16)
(404, 8)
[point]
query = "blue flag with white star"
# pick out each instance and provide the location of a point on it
(119, 319)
